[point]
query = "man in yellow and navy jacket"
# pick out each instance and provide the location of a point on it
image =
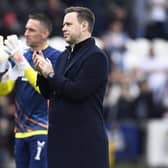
(18, 75)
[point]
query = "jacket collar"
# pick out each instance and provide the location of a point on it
(85, 45)
(87, 42)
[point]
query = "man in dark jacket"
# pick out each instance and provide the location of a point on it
(76, 88)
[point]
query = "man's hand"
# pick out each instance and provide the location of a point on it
(14, 47)
(3, 57)
(43, 65)
(16, 50)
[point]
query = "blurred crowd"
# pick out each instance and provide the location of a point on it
(6, 131)
(145, 18)
(136, 93)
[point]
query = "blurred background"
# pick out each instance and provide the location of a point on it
(134, 34)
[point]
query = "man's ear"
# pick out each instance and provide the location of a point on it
(85, 26)
(45, 34)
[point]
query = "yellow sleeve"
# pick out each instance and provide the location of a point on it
(31, 76)
(6, 87)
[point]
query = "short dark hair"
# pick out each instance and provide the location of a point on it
(45, 21)
(84, 14)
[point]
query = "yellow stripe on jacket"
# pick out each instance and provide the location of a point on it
(6, 87)
(31, 76)
(29, 134)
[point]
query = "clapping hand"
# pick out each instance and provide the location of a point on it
(43, 65)
(3, 57)
(15, 49)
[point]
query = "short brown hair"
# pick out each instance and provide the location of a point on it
(83, 14)
(45, 21)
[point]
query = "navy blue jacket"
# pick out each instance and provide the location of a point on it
(77, 137)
